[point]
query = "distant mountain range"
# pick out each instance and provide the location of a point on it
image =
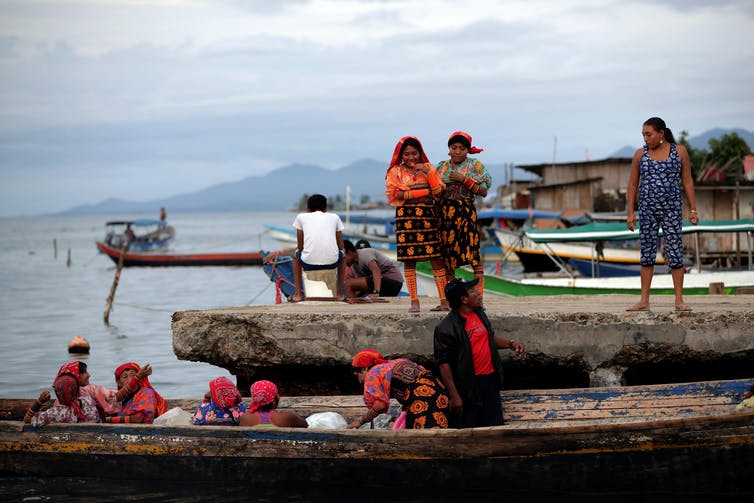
(282, 188)
(278, 190)
(701, 141)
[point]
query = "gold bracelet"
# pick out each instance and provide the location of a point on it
(692, 211)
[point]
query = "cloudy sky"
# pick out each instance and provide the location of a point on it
(145, 99)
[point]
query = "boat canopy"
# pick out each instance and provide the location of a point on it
(599, 231)
(141, 222)
(367, 219)
(511, 214)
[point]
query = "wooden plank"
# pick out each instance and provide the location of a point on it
(685, 399)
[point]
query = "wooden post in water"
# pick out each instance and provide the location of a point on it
(68, 262)
(55, 247)
(111, 297)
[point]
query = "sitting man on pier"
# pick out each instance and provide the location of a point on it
(320, 244)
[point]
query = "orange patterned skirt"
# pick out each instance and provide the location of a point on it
(416, 231)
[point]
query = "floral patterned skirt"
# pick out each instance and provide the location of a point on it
(459, 234)
(425, 401)
(416, 231)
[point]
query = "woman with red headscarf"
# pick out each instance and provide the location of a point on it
(71, 405)
(142, 403)
(421, 395)
(263, 412)
(412, 184)
(465, 178)
(222, 407)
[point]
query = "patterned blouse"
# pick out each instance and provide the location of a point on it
(209, 413)
(377, 383)
(470, 167)
(660, 181)
(401, 178)
(60, 413)
(143, 403)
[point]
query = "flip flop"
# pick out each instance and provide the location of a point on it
(638, 308)
(683, 308)
(440, 308)
(292, 300)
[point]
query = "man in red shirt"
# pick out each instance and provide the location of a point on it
(465, 347)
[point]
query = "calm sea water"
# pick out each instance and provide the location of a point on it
(44, 303)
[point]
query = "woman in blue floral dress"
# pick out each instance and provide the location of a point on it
(658, 172)
(222, 407)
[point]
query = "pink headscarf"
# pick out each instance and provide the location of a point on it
(262, 393)
(472, 150)
(224, 393)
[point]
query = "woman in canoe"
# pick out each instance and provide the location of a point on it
(412, 184)
(422, 396)
(223, 406)
(465, 178)
(263, 411)
(142, 403)
(71, 405)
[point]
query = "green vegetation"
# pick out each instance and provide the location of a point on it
(726, 155)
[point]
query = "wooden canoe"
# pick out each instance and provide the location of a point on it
(134, 259)
(680, 438)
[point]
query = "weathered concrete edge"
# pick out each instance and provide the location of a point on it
(605, 343)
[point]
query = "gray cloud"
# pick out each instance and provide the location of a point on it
(173, 100)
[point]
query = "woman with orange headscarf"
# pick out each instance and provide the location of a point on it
(142, 402)
(465, 178)
(412, 184)
(422, 396)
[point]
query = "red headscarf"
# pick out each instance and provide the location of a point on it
(161, 405)
(66, 386)
(71, 367)
(224, 393)
(262, 393)
(396, 160)
(472, 150)
(367, 359)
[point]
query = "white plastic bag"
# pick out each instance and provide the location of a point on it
(174, 417)
(327, 421)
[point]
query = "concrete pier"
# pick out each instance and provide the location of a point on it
(570, 340)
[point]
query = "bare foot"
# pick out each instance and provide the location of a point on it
(414, 307)
(682, 307)
(296, 297)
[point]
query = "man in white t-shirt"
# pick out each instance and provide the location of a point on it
(320, 243)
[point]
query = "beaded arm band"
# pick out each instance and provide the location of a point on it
(470, 184)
